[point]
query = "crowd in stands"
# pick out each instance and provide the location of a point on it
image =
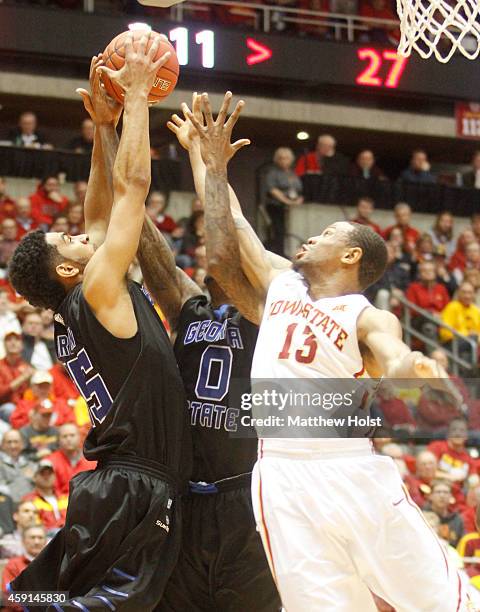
(239, 15)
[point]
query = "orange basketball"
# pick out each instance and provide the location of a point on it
(114, 58)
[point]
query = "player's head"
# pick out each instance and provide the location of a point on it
(344, 248)
(44, 267)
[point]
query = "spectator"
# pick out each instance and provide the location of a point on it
(76, 219)
(398, 274)
(469, 547)
(283, 189)
(444, 275)
(424, 249)
(60, 224)
(40, 438)
(365, 166)
(34, 540)
(464, 317)
(365, 209)
(63, 386)
(472, 502)
(419, 169)
(26, 134)
(428, 294)
(16, 471)
(454, 462)
(419, 485)
(442, 234)
(403, 216)
(472, 261)
(472, 276)
(68, 460)
(41, 396)
(475, 220)
(315, 29)
(23, 217)
(8, 319)
(7, 204)
(458, 259)
(381, 9)
(39, 353)
(80, 191)
(11, 544)
(15, 374)
(8, 242)
(193, 238)
(471, 179)
(324, 160)
(47, 202)
(156, 204)
(84, 142)
(451, 523)
(51, 507)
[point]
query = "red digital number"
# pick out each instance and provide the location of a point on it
(305, 354)
(369, 76)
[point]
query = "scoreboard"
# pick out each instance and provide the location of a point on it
(288, 60)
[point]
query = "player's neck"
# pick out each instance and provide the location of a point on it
(331, 285)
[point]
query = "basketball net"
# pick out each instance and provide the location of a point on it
(440, 28)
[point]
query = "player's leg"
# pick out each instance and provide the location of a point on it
(188, 588)
(398, 554)
(242, 577)
(311, 566)
(117, 550)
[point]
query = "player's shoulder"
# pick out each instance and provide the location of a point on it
(372, 318)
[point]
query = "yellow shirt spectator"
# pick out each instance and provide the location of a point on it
(461, 314)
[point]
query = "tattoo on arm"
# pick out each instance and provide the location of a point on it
(223, 251)
(159, 271)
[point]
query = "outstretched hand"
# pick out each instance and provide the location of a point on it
(183, 129)
(437, 377)
(215, 136)
(137, 75)
(101, 108)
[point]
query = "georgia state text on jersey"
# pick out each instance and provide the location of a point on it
(132, 386)
(214, 350)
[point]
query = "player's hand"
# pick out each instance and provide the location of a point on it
(137, 75)
(101, 108)
(437, 378)
(215, 136)
(183, 129)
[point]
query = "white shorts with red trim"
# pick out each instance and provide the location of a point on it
(337, 526)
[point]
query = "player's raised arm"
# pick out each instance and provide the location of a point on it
(105, 113)
(216, 151)
(380, 331)
(169, 286)
(104, 278)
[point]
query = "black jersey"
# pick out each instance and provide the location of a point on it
(132, 387)
(214, 350)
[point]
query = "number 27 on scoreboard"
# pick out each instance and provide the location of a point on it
(376, 61)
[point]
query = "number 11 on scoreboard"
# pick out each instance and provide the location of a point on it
(205, 38)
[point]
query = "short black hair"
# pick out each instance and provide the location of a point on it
(374, 253)
(30, 271)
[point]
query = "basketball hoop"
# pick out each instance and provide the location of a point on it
(440, 28)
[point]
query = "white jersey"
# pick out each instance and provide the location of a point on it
(304, 338)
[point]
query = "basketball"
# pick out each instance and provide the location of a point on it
(114, 58)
